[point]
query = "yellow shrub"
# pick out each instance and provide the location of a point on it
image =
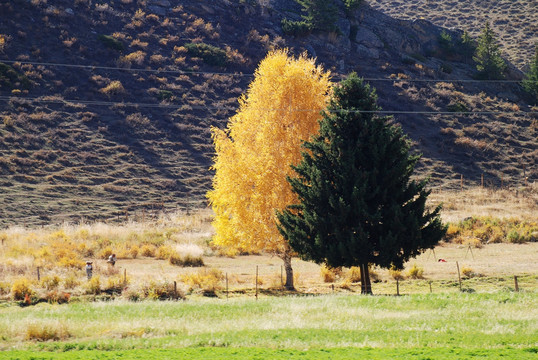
(114, 88)
(59, 235)
(134, 251)
(329, 274)
(163, 252)
(5, 288)
(50, 282)
(396, 274)
(452, 231)
(105, 253)
(83, 234)
(354, 274)
(116, 283)
(93, 286)
(21, 288)
(71, 282)
(467, 272)
(46, 332)
(70, 262)
(159, 291)
(147, 250)
(206, 280)
(416, 272)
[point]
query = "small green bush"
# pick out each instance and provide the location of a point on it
(10, 78)
(211, 55)
(295, 28)
(111, 42)
(457, 107)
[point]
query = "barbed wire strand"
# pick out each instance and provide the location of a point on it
(194, 72)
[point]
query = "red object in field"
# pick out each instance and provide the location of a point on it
(441, 260)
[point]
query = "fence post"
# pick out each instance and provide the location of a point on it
(125, 277)
(397, 287)
(516, 285)
(226, 285)
(430, 287)
(459, 276)
(461, 182)
(175, 289)
(256, 282)
(38, 274)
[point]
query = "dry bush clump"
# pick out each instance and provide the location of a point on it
(480, 230)
(329, 274)
(206, 280)
(49, 331)
(415, 272)
(128, 60)
(22, 289)
(158, 291)
(113, 88)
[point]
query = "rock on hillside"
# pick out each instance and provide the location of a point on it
(106, 107)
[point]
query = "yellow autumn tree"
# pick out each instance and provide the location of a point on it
(281, 109)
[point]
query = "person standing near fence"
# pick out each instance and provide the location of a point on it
(89, 269)
(112, 259)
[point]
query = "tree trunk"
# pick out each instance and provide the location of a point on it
(286, 257)
(366, 286)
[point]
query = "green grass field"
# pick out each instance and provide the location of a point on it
(428, 326)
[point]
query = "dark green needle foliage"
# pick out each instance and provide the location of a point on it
(530, 83)
(357, 203)
(489, 63)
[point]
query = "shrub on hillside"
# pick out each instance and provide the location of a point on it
(211, 55)
(46, 332)
(530, 83)
(111, 42)
(295, 28)
(114, 88)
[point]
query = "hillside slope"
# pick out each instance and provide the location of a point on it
(515, 21)
(107, 106)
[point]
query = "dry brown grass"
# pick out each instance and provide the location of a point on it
(477, 201)
(189, 235)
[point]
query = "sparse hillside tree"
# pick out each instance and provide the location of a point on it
(320, 14)
(530, 83)
(357, 204)
(280, 110)
(489, 63)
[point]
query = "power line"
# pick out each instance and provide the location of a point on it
(287, 109)
(193, 72)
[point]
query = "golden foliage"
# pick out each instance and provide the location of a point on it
(280, 110)
(204, 279)
(416, 272)
(21, 288)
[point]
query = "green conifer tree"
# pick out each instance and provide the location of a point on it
(357, 204)
(320, 14)
(530, 83)
(489, 63)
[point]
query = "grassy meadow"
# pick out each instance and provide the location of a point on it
(433, 325)
(213, 311)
